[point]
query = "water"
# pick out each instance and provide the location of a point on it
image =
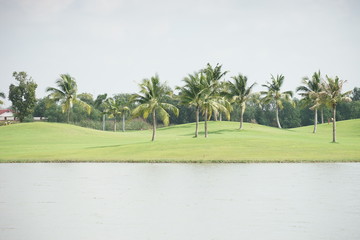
(179, 201)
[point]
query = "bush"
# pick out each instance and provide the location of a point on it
(137, 124)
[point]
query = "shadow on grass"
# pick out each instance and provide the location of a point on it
(223, 131)
(117, 145)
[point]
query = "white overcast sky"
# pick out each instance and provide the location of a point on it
(109, 46)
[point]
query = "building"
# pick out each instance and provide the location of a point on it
(7, 115)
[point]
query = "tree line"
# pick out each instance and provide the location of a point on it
(204, 94)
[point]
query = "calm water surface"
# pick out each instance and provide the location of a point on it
(179, 201)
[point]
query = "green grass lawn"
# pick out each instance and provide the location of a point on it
(41, 142)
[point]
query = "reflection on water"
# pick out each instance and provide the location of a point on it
(179, 201)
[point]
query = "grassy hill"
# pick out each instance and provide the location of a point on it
(62, 142)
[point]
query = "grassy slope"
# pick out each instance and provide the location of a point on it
(61, 142)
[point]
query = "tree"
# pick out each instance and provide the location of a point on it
(2, 95)
(124, 100)
(274, 95)
(99, 104)
(239, 93)
(150, 100)
(190, 94)
(331, 95)
(356, 94)
(113, 109)
(23, 96)
(66, 94)
(310, 92)
(214, 75)
(210, 97)
(87, 98)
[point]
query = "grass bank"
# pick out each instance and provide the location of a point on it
(54, 142)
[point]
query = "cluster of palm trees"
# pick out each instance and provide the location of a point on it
(66, 94)
(319, 93)
(205, 91)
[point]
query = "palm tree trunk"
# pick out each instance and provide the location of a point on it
(114, 124)
(68, 116)
(215, 116)
(197, 122)
(277, 116)
(103, 122)
(220, 117)
(315, 120)
(322, 115)
(334, 123)
(123, 123)
(241, 117)
(154, 126)
(206, 127)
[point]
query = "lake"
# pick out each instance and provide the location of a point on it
(179, 201)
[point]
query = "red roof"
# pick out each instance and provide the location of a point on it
(5, 110)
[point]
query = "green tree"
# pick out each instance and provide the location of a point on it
(113, 108)
(356, 94)
(239, 93)
(310, 92)
(124, 100)
(22, 96)
(66, 94)
(214, 75)
(332, 95)
(150, 100)
(87, 98)
(190, 94)
(274, 94)
(99, 104)
(2, 95)
(211, 101)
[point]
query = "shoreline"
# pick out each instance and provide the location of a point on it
(180, 161)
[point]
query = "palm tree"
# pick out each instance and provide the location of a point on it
(190, 94)
(112, 108)
(331, 95)
(150, 99)
(310, 92)
(238, 93)
(210, 104)
(2, 95)
(213, 76)
(124, 100)
(274, 95)
(211, 101)
(124, 111)
(100, 105)
(66, 94)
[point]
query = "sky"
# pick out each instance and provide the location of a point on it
(109, 46)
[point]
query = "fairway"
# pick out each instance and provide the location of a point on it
(53, 142)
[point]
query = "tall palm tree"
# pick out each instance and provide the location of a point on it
(211, 101)
(210, 104)
(239, 93)
(310, 92)
(2, 95)
(66, 94)
(331, 95)
(190, 94)
(150, 100)
(213, 76)
(274, 95)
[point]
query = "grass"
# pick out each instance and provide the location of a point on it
(55, 142)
